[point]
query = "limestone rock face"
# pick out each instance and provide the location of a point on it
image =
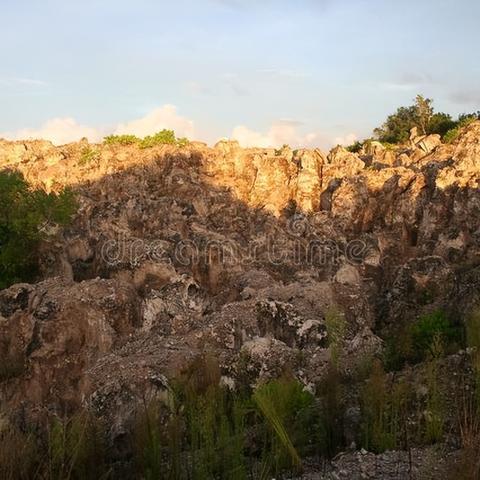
(243, 253)
(467, 151)
(60, 329)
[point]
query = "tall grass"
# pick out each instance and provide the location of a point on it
(383, 407)
(205, 431)
(336, 327)
(18, 453)
(468, 408)
(434, 413)
(75, 449)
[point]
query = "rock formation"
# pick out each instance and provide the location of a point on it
(241, 252)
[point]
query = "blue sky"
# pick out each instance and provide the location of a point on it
(307, 71)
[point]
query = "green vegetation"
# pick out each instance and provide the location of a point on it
(71, 449)
(414, 343)
(163, 137)
(200, 429)
(432, 333)
(291, 417)
(75, 449)
(384, 409)
(396, 128)
(355, 147)
(434, 413)
(18, 452)
(463, 120)
(121, 140)
(25, 215)
(467, 467)
(336, 326)
(207, 431)
(88, 156)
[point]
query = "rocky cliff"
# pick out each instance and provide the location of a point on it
(238, 252)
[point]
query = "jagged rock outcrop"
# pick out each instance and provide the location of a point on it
(241, 252)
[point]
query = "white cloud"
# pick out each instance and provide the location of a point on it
(286, 132)
(346, 139)
(64, 130)
(58, 130)
(280, 133)
(160, 118)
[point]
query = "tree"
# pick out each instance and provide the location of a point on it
(424, 112)
(397, 127)
(24, 215)
(440, 123)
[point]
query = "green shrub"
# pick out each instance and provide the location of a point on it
(355, 147)
(430, 330)
(182, 141)
(88, 155)
(24, 215)
(159, 138)
(121, 140)
(440, 123)
(164, 137)
(463, 120)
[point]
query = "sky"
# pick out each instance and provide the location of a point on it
(309, 73)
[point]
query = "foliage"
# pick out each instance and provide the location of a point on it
(121, 140)
(182, 141)
(467, 467)
(355, 147)
(88, 155)
(25, 214)
(472, 330)
(161, 138)
(76, 449)
(424, 112)
(414, 343)
(383, 407)
(289, 412)
(198, 433)
(204, 430)
(463, 121)
(429, 331)
(434, 414)
(18, 453)
(73, 449)
(330, 435)
(440, 123)
(396, 128)
(336, 326)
